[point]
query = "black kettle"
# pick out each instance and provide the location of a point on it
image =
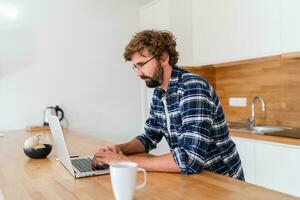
(54, 111)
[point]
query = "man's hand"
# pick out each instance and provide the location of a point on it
(108, 157)
(112, 148)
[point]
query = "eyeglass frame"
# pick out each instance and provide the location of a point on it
(139, 66)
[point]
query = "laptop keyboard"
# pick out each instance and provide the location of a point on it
(85, 165)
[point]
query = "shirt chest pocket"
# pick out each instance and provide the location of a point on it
(175, 119)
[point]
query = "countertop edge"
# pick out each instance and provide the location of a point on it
(266, 138)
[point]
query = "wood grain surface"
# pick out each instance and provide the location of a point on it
(24, 178)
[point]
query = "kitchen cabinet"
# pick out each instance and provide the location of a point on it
(162, 148)
(155, 15)
(235, 30)
(175, 16)
(272, 165)
(246, 152)
(277, 167)
(290, 30)
(210, 32)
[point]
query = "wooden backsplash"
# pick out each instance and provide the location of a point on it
(276, 79)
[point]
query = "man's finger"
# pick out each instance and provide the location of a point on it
(101, 150)
(112, 148)
(119, 151)
(98, 155)
(97, 160)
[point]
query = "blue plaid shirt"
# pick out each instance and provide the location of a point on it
(190, 117)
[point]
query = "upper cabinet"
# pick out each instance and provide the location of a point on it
(212, 31)
(290, 26)
(175, 16)
(234, 30)
(155, 15)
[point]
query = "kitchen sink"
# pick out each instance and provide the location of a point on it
(259, 129)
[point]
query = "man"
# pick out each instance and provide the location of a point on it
(185, 110)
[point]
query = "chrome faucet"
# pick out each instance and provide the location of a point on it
(251, 121)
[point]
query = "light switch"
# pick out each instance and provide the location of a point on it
(238, 101)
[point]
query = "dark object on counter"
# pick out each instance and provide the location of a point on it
(57, 111)
(38, 153)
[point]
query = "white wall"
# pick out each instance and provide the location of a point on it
(70, 53)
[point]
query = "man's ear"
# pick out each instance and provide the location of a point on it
(164, 59)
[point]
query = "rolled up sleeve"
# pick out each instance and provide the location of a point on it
(197, 110)
(153, 134)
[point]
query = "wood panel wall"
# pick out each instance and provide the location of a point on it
(276, 79)
(208, 72)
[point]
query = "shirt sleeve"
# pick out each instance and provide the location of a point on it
(153, 133)
(197, 108)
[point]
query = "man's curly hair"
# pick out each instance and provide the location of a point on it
(156, 42)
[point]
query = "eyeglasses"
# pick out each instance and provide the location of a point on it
(139, 65)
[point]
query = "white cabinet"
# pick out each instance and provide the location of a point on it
(175, 16)
(290, 30)
(233, 30)
(246, 152)
(212, 31)
(162, 148)
(272, 165)
(278, 167)
(155, 15)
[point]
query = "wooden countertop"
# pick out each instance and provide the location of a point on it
(24, 178)
(266, 138)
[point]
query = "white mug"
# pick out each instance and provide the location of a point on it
(123, 179)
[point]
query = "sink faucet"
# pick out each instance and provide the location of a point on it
(251, 121)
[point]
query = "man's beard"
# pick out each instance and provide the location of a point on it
(157, 78)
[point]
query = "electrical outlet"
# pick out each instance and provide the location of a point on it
(238, 101)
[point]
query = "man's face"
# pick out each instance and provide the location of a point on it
(148, 69)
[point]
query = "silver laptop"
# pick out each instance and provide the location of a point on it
(79, 166)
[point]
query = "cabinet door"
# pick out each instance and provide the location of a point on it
(174, 16)
(246, 151)
(290, 26)
(181, 27)
(155, 15)
(278, 167)
(162, 148)
(234, 30)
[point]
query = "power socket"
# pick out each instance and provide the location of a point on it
(238, 101)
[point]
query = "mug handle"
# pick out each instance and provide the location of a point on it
(145, 178)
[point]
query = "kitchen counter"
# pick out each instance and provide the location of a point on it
(269, 138)
(24, 178)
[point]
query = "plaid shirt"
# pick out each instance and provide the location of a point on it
(189, 115)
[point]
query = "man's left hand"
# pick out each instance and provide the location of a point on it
(108, 157)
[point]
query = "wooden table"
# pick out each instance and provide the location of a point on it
(24, 178)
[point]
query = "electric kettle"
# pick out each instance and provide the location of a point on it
(54, 111)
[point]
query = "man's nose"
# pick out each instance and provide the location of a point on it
(139, 72)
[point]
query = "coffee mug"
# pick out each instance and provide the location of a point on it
(123, 179)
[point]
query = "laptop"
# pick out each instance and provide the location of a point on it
(78, 166)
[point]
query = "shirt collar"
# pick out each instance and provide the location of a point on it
(173, 83)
